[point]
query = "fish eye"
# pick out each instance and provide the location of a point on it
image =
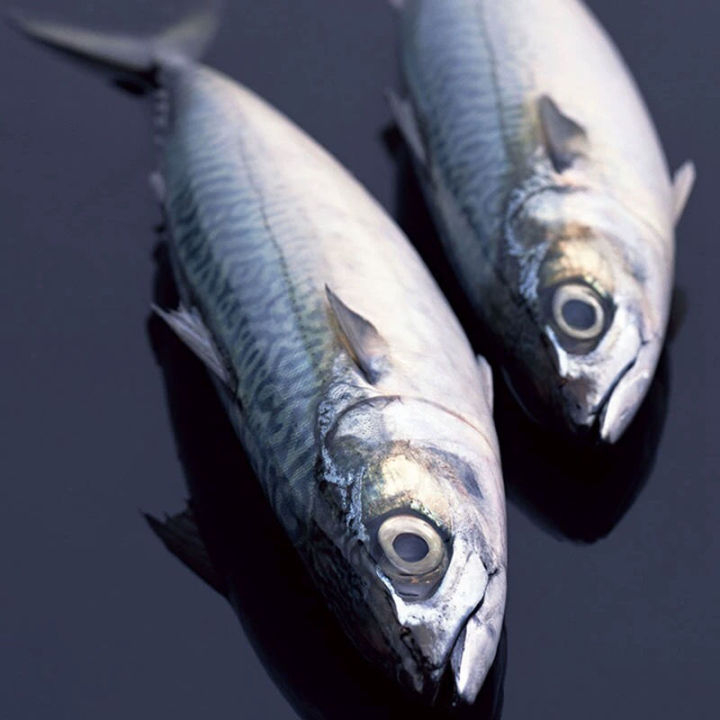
(578, 312)
(411, 545)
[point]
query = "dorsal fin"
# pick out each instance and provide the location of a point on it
(364, 343)
(565, 140)
(683, 182)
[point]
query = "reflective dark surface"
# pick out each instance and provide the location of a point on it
(98, 620)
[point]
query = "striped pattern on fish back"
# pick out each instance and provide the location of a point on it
(457, 96)
(250, 260)
(477, 69)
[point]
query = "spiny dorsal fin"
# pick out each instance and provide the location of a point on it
(366, 346)
(683, 183)
(486, 379)
(180, 535)
(189, 327)
(565, 140)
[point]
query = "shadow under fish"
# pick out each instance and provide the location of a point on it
(577, 491)
(570, 487)
(230, 537)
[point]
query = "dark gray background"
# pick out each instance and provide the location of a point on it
(96, 619)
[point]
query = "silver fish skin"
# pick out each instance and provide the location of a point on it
(551, 194)
(349, 381)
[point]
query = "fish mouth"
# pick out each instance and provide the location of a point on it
(600, 393)
(458, 679)
(624, 398)
(475, 647)
(621, 406)
(470, 660)
(606, 419)
(604, 425)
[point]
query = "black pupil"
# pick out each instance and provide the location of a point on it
(579, 314)
(411, 548)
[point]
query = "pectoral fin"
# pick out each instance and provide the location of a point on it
(565, 140)
(683, 183)
(189, 327)
(405, 118)
(181, 536)
(362, 340)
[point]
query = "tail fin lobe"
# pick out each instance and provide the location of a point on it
(131, 62)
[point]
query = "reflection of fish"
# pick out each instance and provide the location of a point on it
(551, 193)
(345, 374)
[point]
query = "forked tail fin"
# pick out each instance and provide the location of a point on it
(131, 62)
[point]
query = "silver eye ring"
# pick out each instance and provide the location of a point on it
(411, 545)
(577, 312)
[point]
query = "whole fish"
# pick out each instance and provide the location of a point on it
(551, 194)
(349, 381)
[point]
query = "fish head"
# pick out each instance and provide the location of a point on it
(599, 304)
(409, 542)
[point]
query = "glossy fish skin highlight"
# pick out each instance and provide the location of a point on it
(365, 414)
(552, 196)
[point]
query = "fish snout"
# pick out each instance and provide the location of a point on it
(605, 415)
(600, 393)
(457, 635)
(628, 393)
(474, 651)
